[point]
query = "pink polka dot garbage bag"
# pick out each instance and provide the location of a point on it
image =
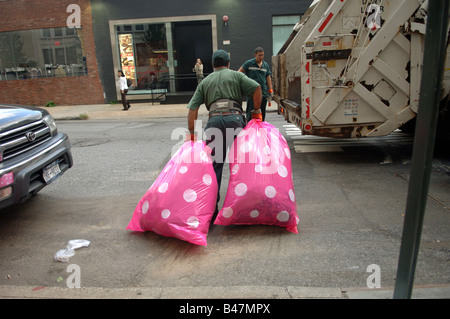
(182, 200)
(260, 188)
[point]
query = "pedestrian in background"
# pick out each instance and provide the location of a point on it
(258, 70)
(198, 69)
(123, 90)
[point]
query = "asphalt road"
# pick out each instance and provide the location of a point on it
(351, 197)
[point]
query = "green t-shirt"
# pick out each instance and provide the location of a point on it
(222, 84)
(259, 74)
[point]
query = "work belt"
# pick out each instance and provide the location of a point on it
(225, 107)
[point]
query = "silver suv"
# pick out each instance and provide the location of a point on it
(32, 152)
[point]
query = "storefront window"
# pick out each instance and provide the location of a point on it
(53, 52)
(159, 54)
(144, 55)
(281, 30)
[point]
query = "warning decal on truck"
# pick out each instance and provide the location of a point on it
(351, 107)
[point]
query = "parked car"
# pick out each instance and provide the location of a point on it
(32, 152)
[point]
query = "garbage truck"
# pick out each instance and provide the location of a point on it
(352, 68)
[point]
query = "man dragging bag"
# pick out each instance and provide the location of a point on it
(222, 93)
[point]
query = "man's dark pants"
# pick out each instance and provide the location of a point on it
(220, 141)
(125, 103)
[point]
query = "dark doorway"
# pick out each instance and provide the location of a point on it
(192, 40)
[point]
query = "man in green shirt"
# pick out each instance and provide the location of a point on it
(222, 93)
(258, 70)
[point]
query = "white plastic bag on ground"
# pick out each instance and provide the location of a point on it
(65, 254)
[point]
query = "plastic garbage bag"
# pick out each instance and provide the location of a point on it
(65, 254)
(260, 189)
(181, 202)
(78, 243)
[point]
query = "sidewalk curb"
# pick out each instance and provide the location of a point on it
(69, 118)
(419, 292)
(138, 111)
(210, 292)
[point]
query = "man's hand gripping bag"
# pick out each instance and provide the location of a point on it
(182, 200)
(260, 189)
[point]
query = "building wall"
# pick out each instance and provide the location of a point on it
(32, 14)
(249, 25)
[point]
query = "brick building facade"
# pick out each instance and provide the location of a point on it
(31, 15)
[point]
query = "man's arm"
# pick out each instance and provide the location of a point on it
(269, 83)
(192, 117)
(257, 99)
(193, 106)
(241, 69)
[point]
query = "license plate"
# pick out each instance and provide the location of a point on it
(51, 172)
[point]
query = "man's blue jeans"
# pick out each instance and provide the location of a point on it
(220, 133)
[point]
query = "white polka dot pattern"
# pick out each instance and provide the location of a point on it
(260, 188)
(181, 201)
